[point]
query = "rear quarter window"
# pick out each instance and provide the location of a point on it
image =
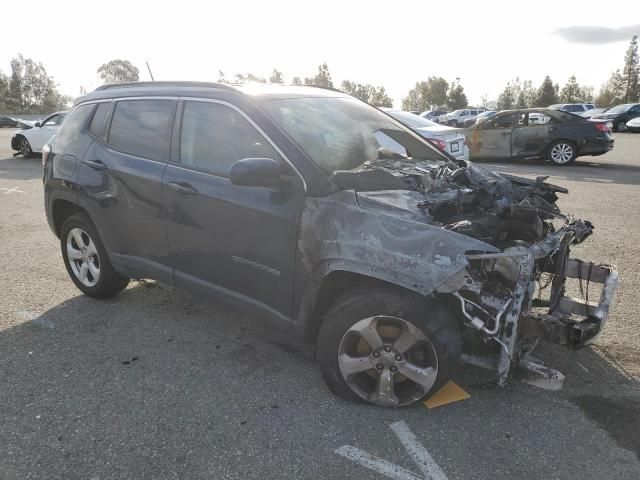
(142, 128)
(73, 126)
(96, 127)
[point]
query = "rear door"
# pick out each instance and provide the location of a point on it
(120, 181)
(492, 138)
(234, 240)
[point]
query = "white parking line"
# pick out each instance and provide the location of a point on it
(7, 191)
(421, 457)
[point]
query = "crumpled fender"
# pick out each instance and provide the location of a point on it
(335, 233)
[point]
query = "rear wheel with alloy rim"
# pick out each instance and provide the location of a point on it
(86, 259)
(562, 153)
(387, 347)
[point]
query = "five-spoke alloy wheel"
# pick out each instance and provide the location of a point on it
(86, 258)
(387, 346)
(83, 257)
(387, 361)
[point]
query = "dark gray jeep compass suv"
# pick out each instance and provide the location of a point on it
(328, 217)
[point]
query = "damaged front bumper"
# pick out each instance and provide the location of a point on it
(521, 321)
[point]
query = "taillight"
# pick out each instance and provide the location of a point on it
(438, 143)
(602, 126)
(46, 150)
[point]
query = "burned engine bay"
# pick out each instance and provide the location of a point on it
(462, 197)
(496, 292)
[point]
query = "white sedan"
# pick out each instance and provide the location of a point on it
(447, 139)
(31, 140)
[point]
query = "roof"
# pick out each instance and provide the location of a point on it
(187, 88)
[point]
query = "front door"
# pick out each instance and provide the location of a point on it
(492, 139)
(235, 240)
(38, 136)
(532, 134)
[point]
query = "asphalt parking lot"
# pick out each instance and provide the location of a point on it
(158, 383)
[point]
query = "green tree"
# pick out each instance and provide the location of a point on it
(427, 94)
(631, 72)
(571, 92)
(456, 97)
(221, 77)
(4, 92)
(376, 96)
(507, 99)
(296, 81)
(321, 79)
(612, 92)
(521, 102)
(30, 90)
(118, 71)
(547, 93)
(276, 77)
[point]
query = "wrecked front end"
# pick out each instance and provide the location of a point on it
(520, 288)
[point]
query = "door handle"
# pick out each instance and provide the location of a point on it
(182, 188)
(95, 164)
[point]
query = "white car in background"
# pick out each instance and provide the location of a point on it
(633, 125)
(448, 139)
(31, 140)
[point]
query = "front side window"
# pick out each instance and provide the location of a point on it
(142, 128)
(51, 121)
(501, 122)
(214, 136)
(340, 133)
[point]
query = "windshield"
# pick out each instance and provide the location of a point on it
(411, 120)
(620, 108)
(340, 133)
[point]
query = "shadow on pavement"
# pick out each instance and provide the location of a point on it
(18, 168)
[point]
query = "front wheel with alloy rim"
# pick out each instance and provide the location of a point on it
(25, 148)
(86, 259)
(387, 346)
(562, 153)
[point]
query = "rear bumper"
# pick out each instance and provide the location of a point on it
(596, 146)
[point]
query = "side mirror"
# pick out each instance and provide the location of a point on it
(256, 172)
(38, 124)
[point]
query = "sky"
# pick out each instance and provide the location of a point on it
(392, 43)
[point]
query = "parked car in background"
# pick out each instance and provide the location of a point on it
(594, 111)
(433, 114)
(620, 115)
(458, 117)
(7, 121)
(576, 108)
(31, 140)
(560, 138)
(447, 139)
(634, 125)
(480, 118)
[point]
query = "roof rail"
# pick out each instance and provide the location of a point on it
(110, 86)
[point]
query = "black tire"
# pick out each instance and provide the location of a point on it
(109, 282)
(562, 160)
(620, 127)
(25, 148)
(428, 315)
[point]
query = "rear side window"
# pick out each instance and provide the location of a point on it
(72, 127)
(142, 128)
(99, 119)
(214, 136)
